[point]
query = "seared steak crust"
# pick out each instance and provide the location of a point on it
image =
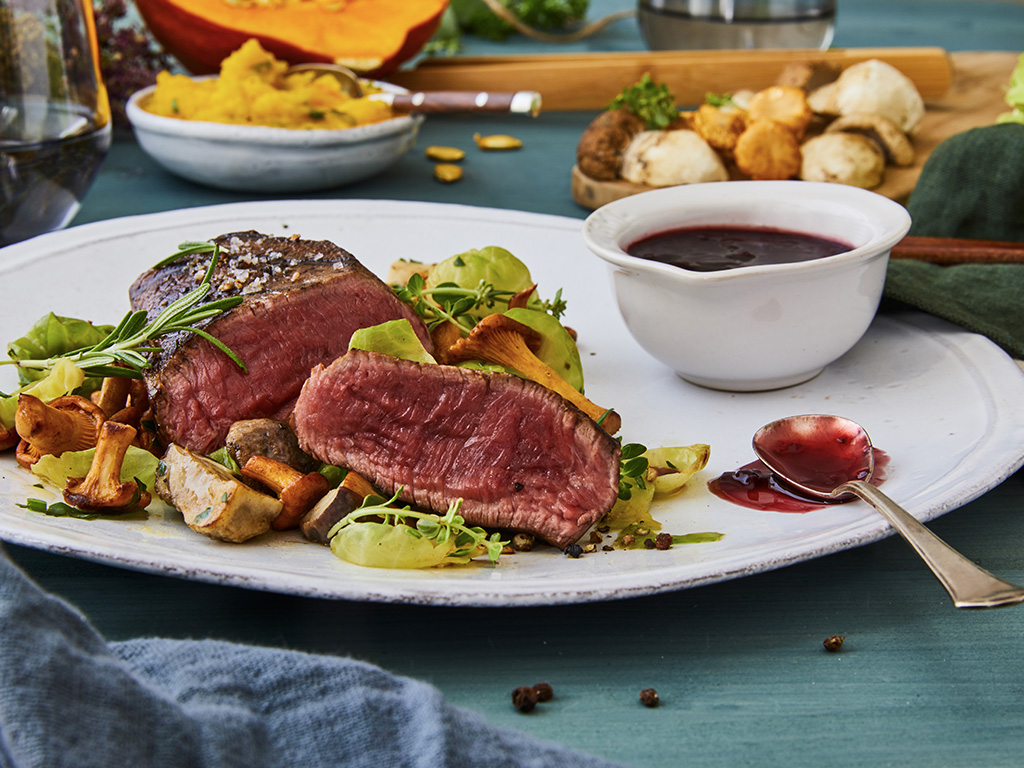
(303, 301)
(520, 456)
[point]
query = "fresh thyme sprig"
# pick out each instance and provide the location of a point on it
(449, 302)
(124, 350)
(451, 527)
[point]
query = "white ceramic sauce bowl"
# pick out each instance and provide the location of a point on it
(757, 327)
(262, 159)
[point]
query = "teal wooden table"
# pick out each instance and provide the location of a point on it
(740, 666)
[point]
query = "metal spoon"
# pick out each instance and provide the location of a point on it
(830, 458)
(427, 102)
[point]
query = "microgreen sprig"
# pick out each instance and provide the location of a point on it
(632, 467)
(124, 350)
(450, 302)
(441, 529)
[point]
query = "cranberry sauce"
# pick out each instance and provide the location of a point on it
(753, 485)
(711, 249)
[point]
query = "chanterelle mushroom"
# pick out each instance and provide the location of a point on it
(70, 423)
(504, 341)
(101, 489)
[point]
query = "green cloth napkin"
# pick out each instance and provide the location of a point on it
(972, 186)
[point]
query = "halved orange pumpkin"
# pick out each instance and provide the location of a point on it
(372, 37)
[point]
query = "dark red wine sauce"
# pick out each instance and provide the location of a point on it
(711, 249)
(753, 485)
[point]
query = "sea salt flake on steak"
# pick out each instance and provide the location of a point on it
(302, 301)
(519, 455)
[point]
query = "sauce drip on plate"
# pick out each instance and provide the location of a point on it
(753, 485)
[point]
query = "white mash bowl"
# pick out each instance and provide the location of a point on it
(755, 327)
(260, 159)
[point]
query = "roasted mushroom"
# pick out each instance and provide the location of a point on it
(336, 504)
(101, 489)
(267, 437)
(211, 499)
(843, 158)
(768, 150)
(720, 127)
(298, 492)
(784, 104)
(667, 158)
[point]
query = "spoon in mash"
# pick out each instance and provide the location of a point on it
(427, 102)
(829, 458)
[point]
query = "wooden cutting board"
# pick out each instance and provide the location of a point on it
(974, 98)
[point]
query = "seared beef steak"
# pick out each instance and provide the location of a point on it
(303, 301)
(519, 455)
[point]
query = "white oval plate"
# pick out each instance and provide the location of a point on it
(945, 404)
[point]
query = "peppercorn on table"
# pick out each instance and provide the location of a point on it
(857, 658)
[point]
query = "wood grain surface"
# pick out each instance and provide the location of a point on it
(975, 98)
(570, 81)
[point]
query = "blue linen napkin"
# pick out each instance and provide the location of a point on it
(68, 698)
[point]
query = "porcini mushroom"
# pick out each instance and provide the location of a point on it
(504, 341)
(843, 158)
(872, 87)
(599, 152)
(298, 492)
(69, 423)
(668, 158)
(891, 140)
(101, 489)
(211, 499)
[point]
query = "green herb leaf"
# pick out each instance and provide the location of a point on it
(651, 102)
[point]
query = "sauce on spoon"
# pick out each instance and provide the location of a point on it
(818, 452)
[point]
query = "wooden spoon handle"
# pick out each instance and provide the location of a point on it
(432, 102)
(949, 251)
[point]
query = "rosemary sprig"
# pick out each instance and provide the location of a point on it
(449, 302)
(451, 527)
(124, 350)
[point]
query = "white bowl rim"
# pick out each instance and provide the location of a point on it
(260, 134)
(897, 221)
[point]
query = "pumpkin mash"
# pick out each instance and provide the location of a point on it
(252, 89)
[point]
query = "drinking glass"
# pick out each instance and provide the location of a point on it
(55, 122)
(736, 24)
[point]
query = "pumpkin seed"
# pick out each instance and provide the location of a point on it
(497, 141)
(445, 154)
(447, 172)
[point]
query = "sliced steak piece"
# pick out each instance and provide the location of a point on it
(303, 301)
(520, 456)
